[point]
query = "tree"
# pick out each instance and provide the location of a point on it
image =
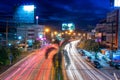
(90, 45)
(4, 55)
(15, 51)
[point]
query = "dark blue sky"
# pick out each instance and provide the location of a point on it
(81, 12)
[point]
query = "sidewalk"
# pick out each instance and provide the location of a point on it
(104, 61)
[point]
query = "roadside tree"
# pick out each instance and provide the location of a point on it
(90, 45)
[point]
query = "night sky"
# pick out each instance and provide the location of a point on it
(80, 12)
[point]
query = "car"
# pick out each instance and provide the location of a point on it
(112, 64)
(88, 58)
(82, 53)
(96, 64)
(117, 66)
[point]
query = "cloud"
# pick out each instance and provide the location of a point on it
(79, 11)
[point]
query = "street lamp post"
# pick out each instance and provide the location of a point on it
(37, 20)
(45, 33)
(7, 33)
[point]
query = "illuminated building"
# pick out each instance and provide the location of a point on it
(31, 32)
(109, 29)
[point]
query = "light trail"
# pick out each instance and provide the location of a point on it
(79, 69)
(33, 67)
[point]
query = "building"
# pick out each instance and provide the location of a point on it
(107, 31)
(30, 33)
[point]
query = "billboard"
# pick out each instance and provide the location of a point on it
(24, 14)
(116, 3)
(68, 26)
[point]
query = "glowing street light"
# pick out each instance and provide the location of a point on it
(47, 30)
(62, 33)
(71, 31)
(55, 32)
(19, 37)
(37, 17)
(74, 33)
(66, 32)
(80, 34)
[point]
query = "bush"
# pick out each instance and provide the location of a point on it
(15, 52)
(4, 55)
(90, 45)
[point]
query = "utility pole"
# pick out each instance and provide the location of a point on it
(7, 33)
(26, 39)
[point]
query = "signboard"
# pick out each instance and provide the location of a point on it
(68, 26)
(24, 14)
(116, 3)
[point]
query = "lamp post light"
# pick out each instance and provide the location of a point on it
(74, 33)
(55, 32)
(19, 37)
(70, 31)
(45, 32)
(62, 33)
(37, 20)
(79, 34)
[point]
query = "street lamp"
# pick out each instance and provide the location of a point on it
(80, 34)
(37, 20)
(55, 32)
(66, 32)
(62, 33)
(19, 37)
(47, 30)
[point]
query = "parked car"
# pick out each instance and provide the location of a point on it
(111, 63)
(117, 66)
(82, 53)
(88, 58)
(96, 64)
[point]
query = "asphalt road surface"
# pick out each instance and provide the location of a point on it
(77, 68)
(33, 67)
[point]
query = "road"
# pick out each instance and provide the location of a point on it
(34, 67)
(77, 68)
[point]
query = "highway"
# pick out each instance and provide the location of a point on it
(77, 68)
(34, 67)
